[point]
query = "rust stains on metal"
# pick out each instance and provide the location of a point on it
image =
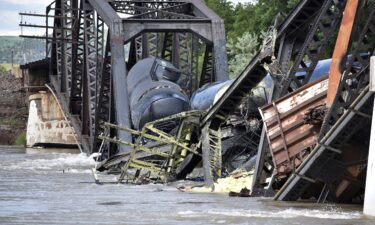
(341, 49)
(290, 137)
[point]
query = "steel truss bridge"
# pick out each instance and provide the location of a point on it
(88, 69)
(88, 66)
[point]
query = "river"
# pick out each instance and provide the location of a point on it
(58, 188)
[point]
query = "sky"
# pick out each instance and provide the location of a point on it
(9, 18)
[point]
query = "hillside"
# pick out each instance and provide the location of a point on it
(24, 50)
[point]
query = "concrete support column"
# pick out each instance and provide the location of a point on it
(369, 206)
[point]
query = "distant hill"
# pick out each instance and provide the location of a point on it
(24, 49)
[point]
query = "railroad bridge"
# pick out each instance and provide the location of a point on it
(88, 69)
(87, 62)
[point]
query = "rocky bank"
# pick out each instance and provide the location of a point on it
(13, 108)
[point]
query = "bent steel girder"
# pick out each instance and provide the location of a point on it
(302, 39)
(304, 35)
(355, 77)
(308, 49)
(94, 77)
(349, 113)
(302, 19)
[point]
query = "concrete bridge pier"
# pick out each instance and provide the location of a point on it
(369, 204)
(46, 125)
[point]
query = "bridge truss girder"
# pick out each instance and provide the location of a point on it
(89, 65)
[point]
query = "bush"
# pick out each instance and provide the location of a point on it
(3, 69)
(21, 139)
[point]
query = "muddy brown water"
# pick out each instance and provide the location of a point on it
(58, 188)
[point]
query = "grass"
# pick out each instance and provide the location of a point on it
(7, 67)
(20, 139)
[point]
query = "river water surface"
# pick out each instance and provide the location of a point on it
(52, 188)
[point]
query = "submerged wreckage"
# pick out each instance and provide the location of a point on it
(297, 124)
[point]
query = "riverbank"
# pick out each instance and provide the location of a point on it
(13, 110)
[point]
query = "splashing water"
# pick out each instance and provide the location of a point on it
(284, 214)
(58, 188)
(62, 162)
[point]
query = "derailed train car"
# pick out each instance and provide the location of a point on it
(241, 132)
(154, 94)
(153, 91)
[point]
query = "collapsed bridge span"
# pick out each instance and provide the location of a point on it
(88, 64)
(89, 71)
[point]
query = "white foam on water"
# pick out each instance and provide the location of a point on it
(286, 213)
(70, 163)
(70, 170)
(191, 214)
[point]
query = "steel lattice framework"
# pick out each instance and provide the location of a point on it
(88, 64)
(88, 69)
(349, 114)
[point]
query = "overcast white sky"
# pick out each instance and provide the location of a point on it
(9, 18)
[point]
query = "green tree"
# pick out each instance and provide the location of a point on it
(240, 52)
(253, 17)
(244, 20)
(257, 17)
(245, 24)
(225, 10)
